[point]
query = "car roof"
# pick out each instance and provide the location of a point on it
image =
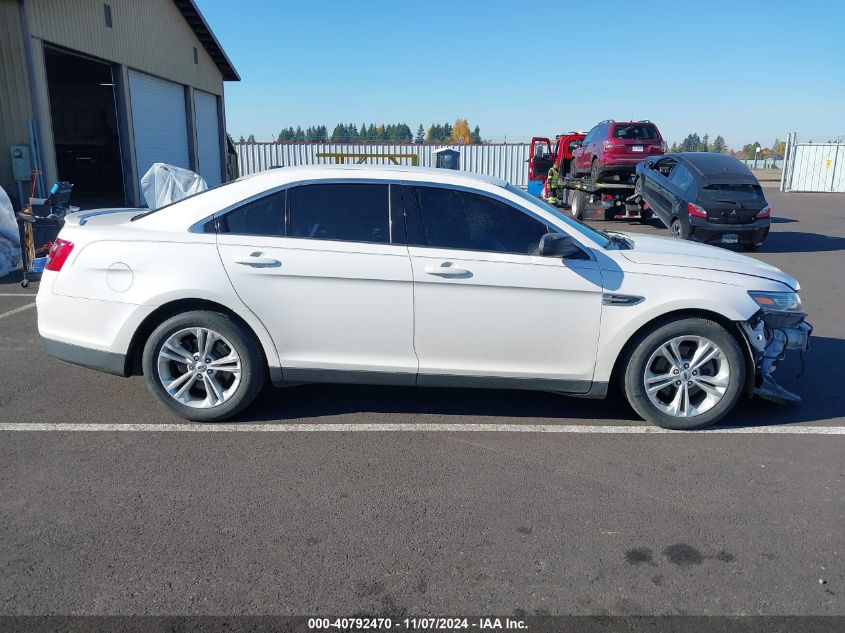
(712, 165)
(386, 172)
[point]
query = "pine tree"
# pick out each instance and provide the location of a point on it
(420, 139)
(476, 135)
(251, 138)
(718, 145)
(705, 143)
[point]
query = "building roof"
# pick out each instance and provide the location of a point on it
(197, 22)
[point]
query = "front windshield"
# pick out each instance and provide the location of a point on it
(587, 231)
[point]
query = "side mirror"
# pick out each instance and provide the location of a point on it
(558, 245)
(576, 144)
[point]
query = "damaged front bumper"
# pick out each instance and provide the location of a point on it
(771, 335)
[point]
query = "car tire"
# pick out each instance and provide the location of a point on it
(751, 248)
(577, 206)
(235, 374)
(678, 230)
(595, 171)
(724, 373)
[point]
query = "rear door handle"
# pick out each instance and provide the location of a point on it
(256, 260)
(447, 270)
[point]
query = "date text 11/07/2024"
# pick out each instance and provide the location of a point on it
(415, 624)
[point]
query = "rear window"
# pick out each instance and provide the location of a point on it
(732, 192)
(636, 132)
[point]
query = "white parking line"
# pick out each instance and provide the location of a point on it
(16, 310)
(410, 427)
(17, 294)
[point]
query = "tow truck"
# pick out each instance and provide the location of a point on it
(613, 199)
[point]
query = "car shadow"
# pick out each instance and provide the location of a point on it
(822, 399)
(799, 242)
(330, 400)
(783, 220)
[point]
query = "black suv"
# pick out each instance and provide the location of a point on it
(706, 197)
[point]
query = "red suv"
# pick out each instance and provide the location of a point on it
(614, 148)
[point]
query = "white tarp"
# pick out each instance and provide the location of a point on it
(10, 242)
(163, 184)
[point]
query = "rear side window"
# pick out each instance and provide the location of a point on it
(346, 212)
(466, 221)
(681, 177)
(635, 132)
(732, 192)
(265, 216)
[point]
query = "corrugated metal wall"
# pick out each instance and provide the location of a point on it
(814, 167)
(505, 161)
(15, 104)
(147, 35)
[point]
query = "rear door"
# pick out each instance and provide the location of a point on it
(656, 189)
(328, 273)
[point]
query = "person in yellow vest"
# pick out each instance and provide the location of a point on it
(551, 183)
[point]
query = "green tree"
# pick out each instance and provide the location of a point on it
(718, 145)
(750, 149)
(705, 143)
(251, 138)
(778, 147)
(242, 139)
(420, 139)
(476, 135)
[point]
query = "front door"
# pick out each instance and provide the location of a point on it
(539, 164)
(318, 266)
(489, 310)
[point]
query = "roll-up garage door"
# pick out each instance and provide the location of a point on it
(208, 137)
(159, 122)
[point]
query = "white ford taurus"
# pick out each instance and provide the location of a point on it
(407, 276)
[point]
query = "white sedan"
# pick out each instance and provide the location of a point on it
(408, 276)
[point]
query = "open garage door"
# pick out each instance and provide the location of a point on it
(159, 122)
(208, 137)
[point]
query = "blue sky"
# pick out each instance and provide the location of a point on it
(749, 70)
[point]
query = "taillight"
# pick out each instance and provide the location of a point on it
(609, 144)
(59, 252)
(662, 146)
(765, 212)
(696, 210)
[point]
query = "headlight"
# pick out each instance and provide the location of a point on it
(776, 301)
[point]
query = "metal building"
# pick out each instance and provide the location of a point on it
(94, 92)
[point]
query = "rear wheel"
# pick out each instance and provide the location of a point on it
(678, 230)
(684, 374)
(577, 206)
(595, 171)
(203, 365)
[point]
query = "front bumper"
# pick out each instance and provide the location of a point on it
(771, 335)
(708, 232)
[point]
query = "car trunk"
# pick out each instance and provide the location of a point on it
(634, 140)
(731, 202)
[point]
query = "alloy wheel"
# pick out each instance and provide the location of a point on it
(199, 368)
(687, 376)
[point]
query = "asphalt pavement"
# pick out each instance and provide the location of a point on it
(325, 519)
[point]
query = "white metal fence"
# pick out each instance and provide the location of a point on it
(813, 166)
(507, 161)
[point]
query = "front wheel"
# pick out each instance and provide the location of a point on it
(684, 374)
(203, 365)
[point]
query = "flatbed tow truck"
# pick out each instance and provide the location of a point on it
(613, 199)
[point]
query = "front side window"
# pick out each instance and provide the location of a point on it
(467, 221)
(340, 211)
(264, 216)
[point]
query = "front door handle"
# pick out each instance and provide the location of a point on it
(256, 259)
(447, 270)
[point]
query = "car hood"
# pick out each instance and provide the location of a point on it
(664, 251)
